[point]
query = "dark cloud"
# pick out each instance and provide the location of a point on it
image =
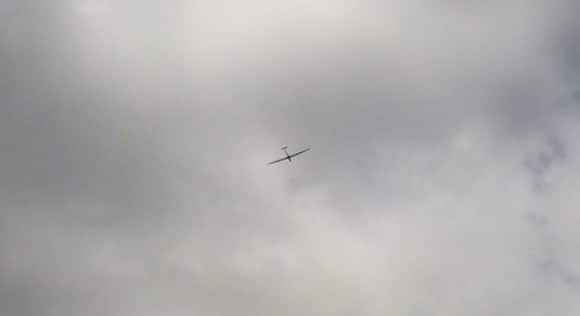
(135, 136)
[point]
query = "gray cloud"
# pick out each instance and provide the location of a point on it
(134, 138)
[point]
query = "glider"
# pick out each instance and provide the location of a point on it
(288, 156)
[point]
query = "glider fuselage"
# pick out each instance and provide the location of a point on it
(288, 156)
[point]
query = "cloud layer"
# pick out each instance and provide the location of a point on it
(134, 138)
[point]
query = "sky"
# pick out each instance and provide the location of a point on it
(442, 180)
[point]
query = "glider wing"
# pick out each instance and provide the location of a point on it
(281, 159)
(300, 152)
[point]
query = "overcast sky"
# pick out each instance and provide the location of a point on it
(442, 180)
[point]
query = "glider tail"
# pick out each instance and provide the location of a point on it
(287, 154)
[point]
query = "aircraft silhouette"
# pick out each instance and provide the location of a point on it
(288, 156)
